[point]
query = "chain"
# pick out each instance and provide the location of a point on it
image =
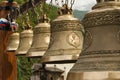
(22, 21)
(50, 5)
(35, 11)
(66, 2)
(57, 3)
(51, 2)
(72, 3)
(42, 8)
(9, 19)
(44, 14)
(12, 18)
(14, 25)
(62, 2)
(27, 19)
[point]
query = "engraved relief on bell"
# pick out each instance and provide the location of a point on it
(41, 38)
(106, 4)
(100, 58)
(74, 39)
(66, 38)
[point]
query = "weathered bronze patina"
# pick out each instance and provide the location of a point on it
(41, 38)
(66, 38)
(100, 58)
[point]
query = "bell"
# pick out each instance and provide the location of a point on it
(14, 38)
(41, 38)
(66, 38)
(100, 58)
(25, 41)
(13, 42)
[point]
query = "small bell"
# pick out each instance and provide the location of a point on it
(41, 38)
(100, 59)
(14, 38)
(25, 42)
(26, 37)
(13, 42)
(66, 38)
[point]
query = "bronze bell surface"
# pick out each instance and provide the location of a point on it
(25, 41)
(13, 42)
(100, 58)
(41, 38)
(66, 38)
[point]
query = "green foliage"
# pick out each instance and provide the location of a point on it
(50, 11)
(24, 67)
(20, 2)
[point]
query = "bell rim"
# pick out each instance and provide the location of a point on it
(28, 56)
(11, 50)
(31, 56)
(20, 54)
(58, 59)
(80, 75)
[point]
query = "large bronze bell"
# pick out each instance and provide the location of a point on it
(41, 38)
(66, 38)
(13, 42)
(100, 58)
(25, 41)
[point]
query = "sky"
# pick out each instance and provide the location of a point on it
(80, 4)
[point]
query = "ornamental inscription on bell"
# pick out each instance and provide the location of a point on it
(74, 39)
(87, 39)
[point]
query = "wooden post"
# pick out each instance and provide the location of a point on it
(8, 60)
